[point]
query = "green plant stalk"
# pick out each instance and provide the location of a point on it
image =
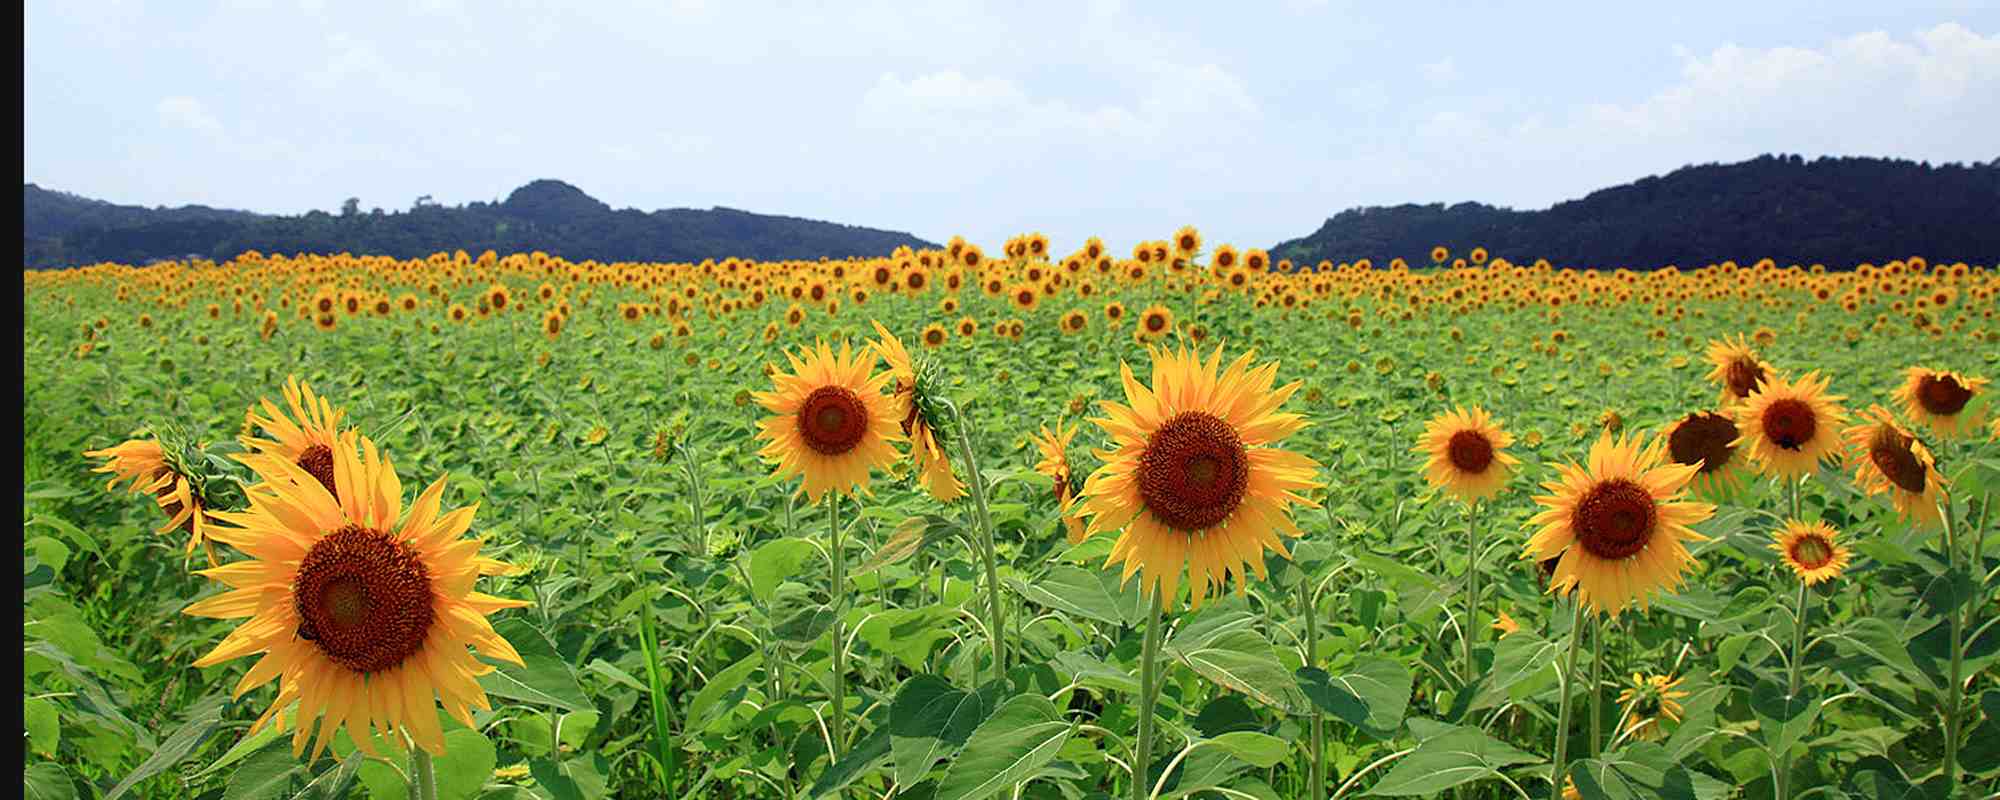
(1318, 773)
(997, 630)
(1952, 695)
(1471, 625)
(1782, 762)
(423, 775)
(1596, 686)
(1560, 768)
(1149, 693)
(663, 743)
(837, 718)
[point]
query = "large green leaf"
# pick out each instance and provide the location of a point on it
(1643, 771)
(46, 781)
(268, 773)
(774, 561)
(1458, 755)
(1023, 734)
(1237, 657)
(1094, 594)
(930, 719)
(1370, 694)
(1782, 718)
(542, 679)
(707, 703)
(871, 751)
(194, 729)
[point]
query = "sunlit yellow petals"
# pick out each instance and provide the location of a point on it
(1617, 527)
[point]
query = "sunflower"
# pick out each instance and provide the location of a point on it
(308, 443)
(362, 618)
(552, 324)
(1195, 479)
(1617, 525)
(1788, 426)
(967, 326)
(918, 415)
(1887, 458)
(933, 335)
(1810, 550)
(1466, 454)
(1937, 399)
(1737, 369)
(1114, 313)
(1074, 322)
(1054, 447)
(1024, 296)
(1704, 438)
(145, 462)
(832, 423)
(1650, 703)
(1155, 322)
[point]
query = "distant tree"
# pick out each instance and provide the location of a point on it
(350, 206)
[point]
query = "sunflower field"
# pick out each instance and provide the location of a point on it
(1191, 522)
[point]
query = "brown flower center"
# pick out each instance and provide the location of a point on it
(1789, 423)
(1703, 438)
(1942, 395)
(364, 599)
(318, 460)
(1812, 551)
(1194, 471)
(1892, 454)
(1743, 376)
(833, 420)
(1615, 520)
(1155, 322)
(1470, 452)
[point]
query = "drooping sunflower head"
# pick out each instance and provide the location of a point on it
(1939, 399)
(1194, 481)
(1467, 454)
(918, 406)
(831, 422)
(1705, 439)
(1054, 464)
(1736, 368)
(1888, 458)
(1811, 550)
(162, 467)
(307, 437)
(361, 611)
(1617, 525)
(1650, 704)
(1789, 426)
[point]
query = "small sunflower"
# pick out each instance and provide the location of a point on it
(1195, 481)
(1054, 449)
(1705, 439)
(1154, 323)
(832, 423)
(152, 470)
(920, 416)
(1650, 703)
(1467, 454)
(363, 619)
(1788, 426)
(1888, 458)
(1737, 369)
(1938, 399)
(1810, 550)
(1618, 525)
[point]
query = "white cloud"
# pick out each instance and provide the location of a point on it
(186, 112)
(1441, 72)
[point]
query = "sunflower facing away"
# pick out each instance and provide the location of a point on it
(933, 468)
(362, 612)
(1618, 525)
(1649, 704)
(1194, 479)
(1054, 448)
(1887, 458)
(832, 422)
(1467, 454)
(1938, 399)
(1788, 426)
(1810, 549)
(144, 462)
(307, 442)
(1706, 439)
(1737, 369)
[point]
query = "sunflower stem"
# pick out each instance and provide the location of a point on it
(837, 718)
(423, 775)
(1470, 628)
(995, 614)
(1952, 695)
(1318, 773)
(1596, 686)
(1561, 765)
(1149, 693)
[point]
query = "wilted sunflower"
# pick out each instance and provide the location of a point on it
(151, 470)
(1737, 369)
(1467, 458)
(832, 423)
(1054, 448)
(1810, 550)
(362, 618)
(920, 416)
(308, 443)
(1649, 704)
(1888, 458)
(1195, 480)
(1705, 439)
(1938, 399)
(1788, 426)
(1618, 525)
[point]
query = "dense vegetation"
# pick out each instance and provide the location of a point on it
(1830, 211)
(60, 229)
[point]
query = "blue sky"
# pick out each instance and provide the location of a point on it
(1254, 122)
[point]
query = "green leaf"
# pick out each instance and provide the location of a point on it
(930, 719)
(1371, 694)
(43, 723)
(249, 744)
(1643, 771)
(1260, 750)
(909, 538)
(1094, 594)
(544, 679)
(1783, 719)
(1877, 638)
(1023, 734)
(194, 729)
(706, 705)
(1456, 756)
(1241, 659)
(268, 773)
(46, 781)
(863, 757)
(1523, 663)
(580, 778)
(774, 561)
(51, 552)
(804, 625)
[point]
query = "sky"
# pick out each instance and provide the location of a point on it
(1252, 121)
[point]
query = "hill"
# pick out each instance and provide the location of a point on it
(61, 229)
(1832, 211)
